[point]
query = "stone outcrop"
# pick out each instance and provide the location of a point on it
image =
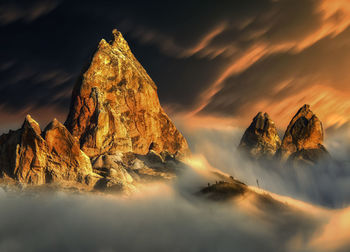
(123, 171)
(260, 140)
(303, 139)
(115, 107)
(115, 176)
(34, 157)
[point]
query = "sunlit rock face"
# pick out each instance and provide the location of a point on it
(303, 139)
(260, 140)
(34, 157)
(124, 171)
(115, 107)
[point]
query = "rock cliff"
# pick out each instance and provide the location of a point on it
(115, 107)
(260, 140)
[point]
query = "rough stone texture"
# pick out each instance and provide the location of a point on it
(122, 171)
(303, 138)
(30, 156)
(115, 107)
(65, 160)
(260, 140)
(114, 173)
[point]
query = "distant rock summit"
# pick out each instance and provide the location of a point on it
(116, 133)
(260, 140)
(302, 141)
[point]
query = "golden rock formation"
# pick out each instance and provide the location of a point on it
(34, 157)
(303, 138)
(260, 140)
(115, 107)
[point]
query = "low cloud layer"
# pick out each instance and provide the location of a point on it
(162, 217)
(170, 217)
(166, 217)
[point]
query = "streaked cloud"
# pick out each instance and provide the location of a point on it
(11, 11)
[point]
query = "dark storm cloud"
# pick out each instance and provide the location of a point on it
(27, 87)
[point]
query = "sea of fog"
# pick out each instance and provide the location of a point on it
(326, 184)
(171, 217)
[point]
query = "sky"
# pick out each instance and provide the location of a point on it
(216, 63)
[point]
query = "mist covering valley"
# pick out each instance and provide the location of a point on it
(326, 184)
(171, 217)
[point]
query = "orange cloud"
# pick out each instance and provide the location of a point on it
(332, 106)
(335, 18)
(204, 42)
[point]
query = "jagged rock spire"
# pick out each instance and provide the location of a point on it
(304, 133)
(115, 106)
(260, 139)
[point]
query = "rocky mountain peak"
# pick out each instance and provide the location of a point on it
(31, 124)
(304, 132)
(119, 42)
(115, 106)
(260, 139)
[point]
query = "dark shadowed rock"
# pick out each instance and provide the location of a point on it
(303, 139)
(260, 140)
(115, 107)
